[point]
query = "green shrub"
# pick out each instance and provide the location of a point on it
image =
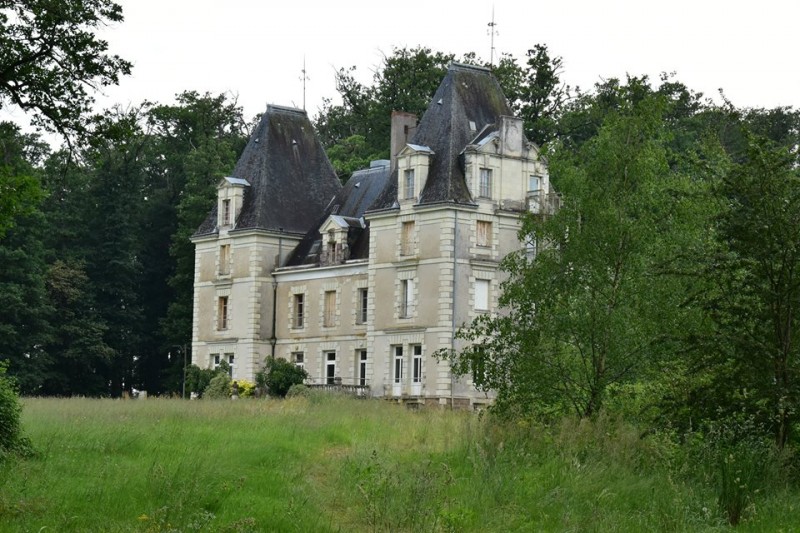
(298, 390)
(11, 439)
(219, 387)
(197, 379)
(279, 376)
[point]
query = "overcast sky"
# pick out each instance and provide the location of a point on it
(255, 50)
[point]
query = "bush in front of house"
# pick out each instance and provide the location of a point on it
(279, 376)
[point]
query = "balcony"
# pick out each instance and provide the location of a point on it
(540, 203)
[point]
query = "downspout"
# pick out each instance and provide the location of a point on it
(274, 339)
(453, 319)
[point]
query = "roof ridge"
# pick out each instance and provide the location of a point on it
(466, 66)
(285, 109)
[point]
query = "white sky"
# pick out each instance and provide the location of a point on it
(255, 50)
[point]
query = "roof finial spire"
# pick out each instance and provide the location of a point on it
(304, 78)
(492, 32)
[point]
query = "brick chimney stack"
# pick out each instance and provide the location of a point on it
(403, 127)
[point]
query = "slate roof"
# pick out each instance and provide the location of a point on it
(291, 180)
(350, 204)
(467, 94)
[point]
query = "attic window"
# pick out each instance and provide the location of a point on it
(472, 125)
(226, 212)
(439, 102)
(409, 184)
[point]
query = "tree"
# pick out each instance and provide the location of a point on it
(50, 58)
(755, 300)
(405, 81)
(359, 128)
(11, 437)
(596, 307)
(535, 92)
(198, 142)
(20, 192)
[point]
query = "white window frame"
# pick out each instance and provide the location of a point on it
(362, 296)
(299, 304)
(330, 363)
(409, 182)
(406, 298)
(361, 369)
(485, 182)
(534, 179)
(223, 313)
(299, 359)
(482, 294)
(417, 363)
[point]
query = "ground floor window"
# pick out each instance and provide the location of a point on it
(330, 367)
(362, 368)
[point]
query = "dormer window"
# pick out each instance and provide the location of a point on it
(409, 184)
(332, 246)
(485, 183)
(230, 194)
(226, 212)
(534, 183)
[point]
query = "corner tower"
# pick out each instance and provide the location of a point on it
(280, 184)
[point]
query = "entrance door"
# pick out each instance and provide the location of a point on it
(330, 367)
(416, 370)
(397, 383)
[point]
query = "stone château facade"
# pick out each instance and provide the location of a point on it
(361, 284)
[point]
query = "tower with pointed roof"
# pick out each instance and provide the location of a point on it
(361, 285)
(280, 184)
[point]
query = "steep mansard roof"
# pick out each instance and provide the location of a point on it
(468, 99)
(358, 194)
(291, 180)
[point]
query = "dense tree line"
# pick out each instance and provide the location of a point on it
(98, 279)
(666, 288)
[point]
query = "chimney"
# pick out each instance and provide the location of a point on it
(403, 127)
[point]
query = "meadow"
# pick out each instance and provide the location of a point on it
(340, 464)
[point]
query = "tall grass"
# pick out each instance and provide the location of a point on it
(350, 465)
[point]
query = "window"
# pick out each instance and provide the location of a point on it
(481, 294)
(299, 310)
(226, 212)
(225, 259)
(398, 364)
(361, 316)
(216, 359)
(362, 368)
(329, 309)
(231, 359)
(485, 184)
(533, 183)
(222, 313)
(406, 298)
(531, 247)
(330, 367)
(483, 231)
(407, 239)
(409, 184)
(299, 359)
(416, 367)
(332, 246)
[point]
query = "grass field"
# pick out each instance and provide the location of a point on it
(337, 464)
